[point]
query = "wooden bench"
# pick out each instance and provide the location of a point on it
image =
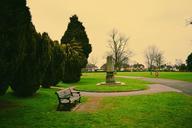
(67, 99)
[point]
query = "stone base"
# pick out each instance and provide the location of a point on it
(110, 77)
(111, 84)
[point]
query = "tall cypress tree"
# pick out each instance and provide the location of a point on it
(76, 30)
(32, 70)
(23, 57)
(44, 54)
(55, 70)
(76, 33)
(14, 21)
(26, 80)
(74, 61)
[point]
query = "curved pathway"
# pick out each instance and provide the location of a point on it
(93, 103)
(153, 88)
(185, 87)
(160, 85)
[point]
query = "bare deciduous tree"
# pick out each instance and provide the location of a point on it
(159, 59)
(154, 58)
(150, 57)
(118, 46)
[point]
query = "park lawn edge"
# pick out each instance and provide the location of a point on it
(111, 91)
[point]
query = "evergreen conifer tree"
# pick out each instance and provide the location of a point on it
(24, 57)
(14, 22)
(55, 69)
(76, 30)
(75, 33)
(74, 61)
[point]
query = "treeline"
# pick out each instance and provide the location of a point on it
(29, 59)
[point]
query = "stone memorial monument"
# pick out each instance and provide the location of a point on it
(110, 79)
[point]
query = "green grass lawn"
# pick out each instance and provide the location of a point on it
(89, 80)
(185, 76)
(163, 110)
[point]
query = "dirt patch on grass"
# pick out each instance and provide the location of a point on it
(92, 105)
(7, 104)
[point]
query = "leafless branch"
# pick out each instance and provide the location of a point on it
(118, 45)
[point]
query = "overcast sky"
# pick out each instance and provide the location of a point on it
(145, 22)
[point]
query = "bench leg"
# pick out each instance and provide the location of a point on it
(67, 106)
(64, 107)
(58, 107)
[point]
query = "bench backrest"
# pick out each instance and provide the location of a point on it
(64, 93)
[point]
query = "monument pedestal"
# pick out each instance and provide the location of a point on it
(110, 77)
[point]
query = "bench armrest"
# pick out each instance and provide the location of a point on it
(76, 92)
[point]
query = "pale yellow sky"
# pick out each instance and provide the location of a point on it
(146, 22)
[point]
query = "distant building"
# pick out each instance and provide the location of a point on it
(169, 68)
(134, 67)
(129, 68)
(90, 68)
(125, 67)
(103, 67)
(138, 67)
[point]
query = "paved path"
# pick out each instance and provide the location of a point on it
(160, 85)
(185, 87)
(153, 88)
(94, 100)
